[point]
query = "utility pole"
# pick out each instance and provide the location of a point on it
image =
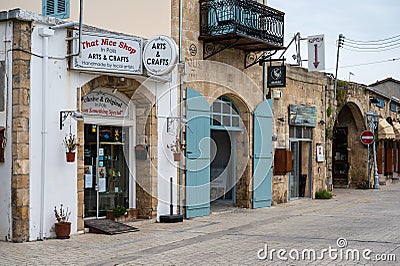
(340, 45)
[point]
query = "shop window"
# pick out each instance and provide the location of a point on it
(56, 8)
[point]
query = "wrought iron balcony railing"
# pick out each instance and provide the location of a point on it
(242, 18)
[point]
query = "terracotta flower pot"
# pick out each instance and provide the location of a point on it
(62, 230)
(177, 156)
(70, 157)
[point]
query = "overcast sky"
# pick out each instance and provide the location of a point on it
(360, 20)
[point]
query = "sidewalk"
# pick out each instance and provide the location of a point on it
(365, 219)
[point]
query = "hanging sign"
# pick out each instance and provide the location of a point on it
(108, 53)
(103, 104)
(160, 55)
(276, 76)
(316, 53)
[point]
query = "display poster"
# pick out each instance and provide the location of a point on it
(88, 176)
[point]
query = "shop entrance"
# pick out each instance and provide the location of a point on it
(222, 171)
(106, 170)
(300, 177)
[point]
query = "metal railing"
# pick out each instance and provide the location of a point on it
(244, 17)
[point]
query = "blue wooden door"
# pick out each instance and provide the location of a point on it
(197, 154)
(262, 157)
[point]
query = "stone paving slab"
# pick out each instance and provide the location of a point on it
(364, 219)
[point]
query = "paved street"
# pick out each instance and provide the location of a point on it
(365, 219)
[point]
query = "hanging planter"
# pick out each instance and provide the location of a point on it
(70, 143)
(70, 157)
(176, 147)
(177, 156)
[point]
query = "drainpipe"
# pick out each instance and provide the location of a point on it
(45, 34)
(180, 107)
(71, 24)
(264, 69)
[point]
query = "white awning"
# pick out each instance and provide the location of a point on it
(385, 130)
(396, 127)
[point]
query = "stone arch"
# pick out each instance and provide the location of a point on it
(349, 156)
(144, 100)
(243, 149)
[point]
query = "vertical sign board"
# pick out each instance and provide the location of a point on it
(316, 52)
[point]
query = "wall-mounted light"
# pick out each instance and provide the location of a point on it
(282, 119)
(74, 114)
(321, 122)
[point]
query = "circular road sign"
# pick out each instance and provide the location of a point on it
(367, 137)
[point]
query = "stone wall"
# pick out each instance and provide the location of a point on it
(20, 130)
(311, 89)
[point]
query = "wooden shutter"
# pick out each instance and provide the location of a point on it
(388, 160)
(56, 8)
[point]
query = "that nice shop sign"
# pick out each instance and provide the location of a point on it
(103, 104)
(109, 53)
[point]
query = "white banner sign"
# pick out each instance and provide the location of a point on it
(103, 104)
(108, 53)
(316, 52)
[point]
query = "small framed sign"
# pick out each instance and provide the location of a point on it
(320, 153)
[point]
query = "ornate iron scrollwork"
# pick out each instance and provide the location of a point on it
(252, 58)
(213, 48)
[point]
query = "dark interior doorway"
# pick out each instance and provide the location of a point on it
(222, 174)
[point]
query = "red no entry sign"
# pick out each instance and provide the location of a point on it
(367, 137)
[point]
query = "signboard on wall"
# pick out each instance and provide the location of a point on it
(104, 104)
(320, 153)
(160, 55)
(302, 115)
(108, 53)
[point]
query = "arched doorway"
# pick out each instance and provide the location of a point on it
(349, 155)
(224, 128)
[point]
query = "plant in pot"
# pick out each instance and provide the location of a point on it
(62, 227)
(70, 143)
(176, 146)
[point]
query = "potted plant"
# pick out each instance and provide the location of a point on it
(70, 143)
(176, 146)
(62, 227)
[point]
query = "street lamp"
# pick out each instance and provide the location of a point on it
(372, 120)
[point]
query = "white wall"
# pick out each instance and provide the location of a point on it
(5, 121)
(60, 177)
(134, 17)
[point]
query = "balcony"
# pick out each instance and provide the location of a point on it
(242, 24)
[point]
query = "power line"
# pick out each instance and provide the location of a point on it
(375, 41)
(370, 49)
(370, 63)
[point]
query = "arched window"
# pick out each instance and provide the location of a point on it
(225, 114)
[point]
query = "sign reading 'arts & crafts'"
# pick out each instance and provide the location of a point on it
(160, 55)
(109, 53)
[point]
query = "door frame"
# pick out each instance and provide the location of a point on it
(233, 148)
(309, 174)
(131, 160)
